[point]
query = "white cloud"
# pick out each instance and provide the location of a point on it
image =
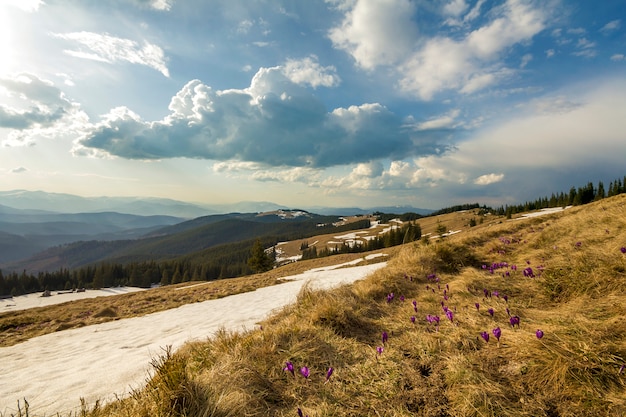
(577, 31)
(376, 33)
(235, 166)
(107, 48)
(455, 7)
(275, 122)
(244, 26)
(525, 60)
(18, 170)
(470, 63)
(488, 179)
(35, 109)
(611, 26)
(443, 122)
(162, 5)
(309, 71)
(369, 170)
(618, 57)
(550, 53)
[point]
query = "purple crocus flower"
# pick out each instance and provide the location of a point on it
(505, 298)
(415, 305)
(490, 311)
(379, 349)
(477, 306)
(450, 315)
(329, 373)
(300, 413)
(385, 337)
(413, 319)
(621, 368)
(485, 336)
(514, 321)
(539, 334)
(579, 244)
(402, 298)
(289, 368)
(623, 249)
(497, 333)
(305, 372)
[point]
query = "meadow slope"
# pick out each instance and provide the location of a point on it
(520, 318)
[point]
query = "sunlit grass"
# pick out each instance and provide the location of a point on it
(577, 298)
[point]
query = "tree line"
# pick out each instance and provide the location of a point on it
(575, 197)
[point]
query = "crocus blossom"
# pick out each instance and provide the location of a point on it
(477, 306)
(623, 249)
(485, 336)
(289, 367)
(379, 349)
(450, 315)
(329, 373)
(490, 311)
(305, 372)
(413, 319)
(385, 337)
(539, 334)
(497, 333)
(514, 320)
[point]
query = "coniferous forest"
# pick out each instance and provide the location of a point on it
(233, 259)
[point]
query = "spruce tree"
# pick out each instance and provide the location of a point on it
(259, 261)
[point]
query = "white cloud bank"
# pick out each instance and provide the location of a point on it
(383, 34)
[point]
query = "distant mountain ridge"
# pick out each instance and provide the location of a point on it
(180, 239)
(143, 206)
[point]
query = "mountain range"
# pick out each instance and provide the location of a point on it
(143, 206)
(40, 230)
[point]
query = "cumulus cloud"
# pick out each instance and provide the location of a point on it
(308, 71)
(43, 103)
(18, 170)
(384, 35)
(274, 121)
(488, 179)
(376, 33)
(618, 57)
(111, 49)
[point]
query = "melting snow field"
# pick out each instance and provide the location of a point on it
(101, 361)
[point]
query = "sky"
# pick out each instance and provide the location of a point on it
(337, 103)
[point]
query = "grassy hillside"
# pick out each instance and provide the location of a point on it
(178, 240)
(563, 274)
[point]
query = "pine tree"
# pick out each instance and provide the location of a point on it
(259, 261)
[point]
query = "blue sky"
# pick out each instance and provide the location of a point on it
(336, 103)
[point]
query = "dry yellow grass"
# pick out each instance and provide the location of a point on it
(576, 298)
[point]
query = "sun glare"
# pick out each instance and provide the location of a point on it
(6, 43)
